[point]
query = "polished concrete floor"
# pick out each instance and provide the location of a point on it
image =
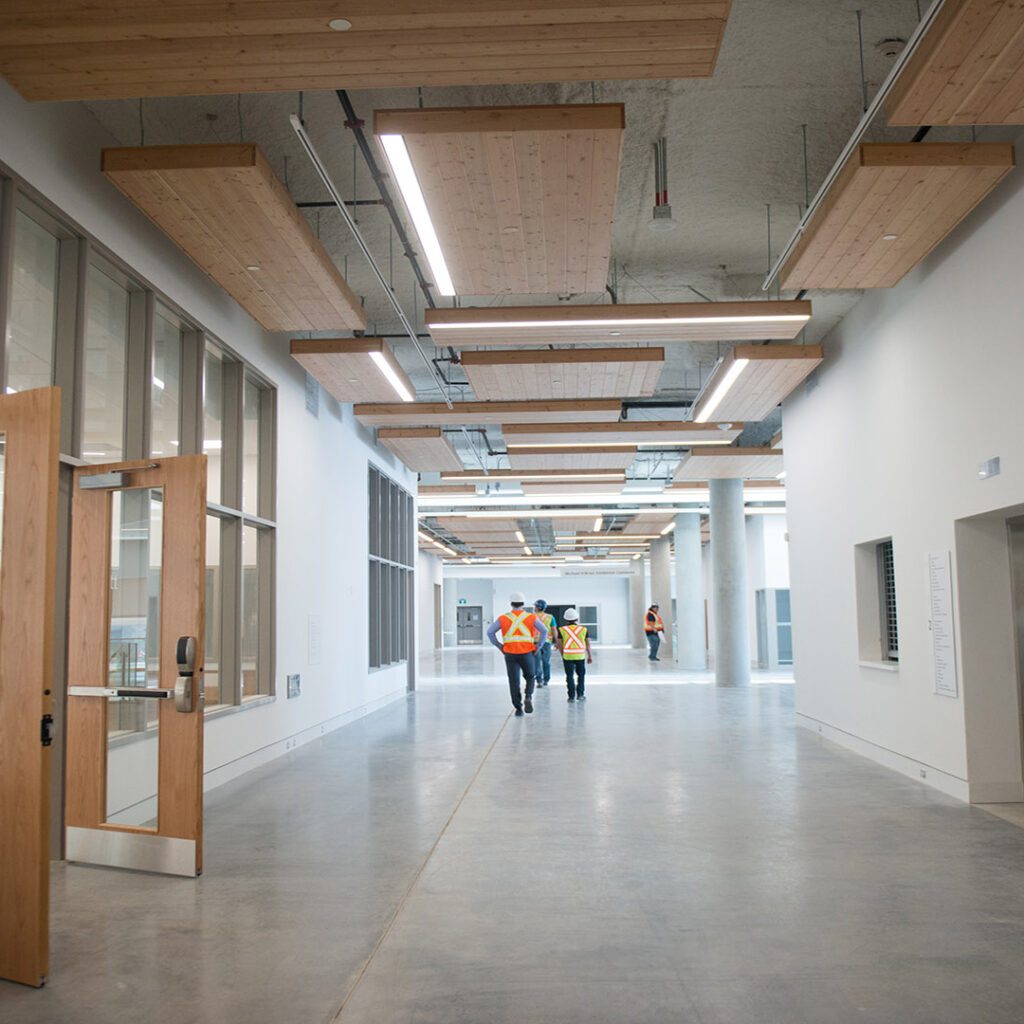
(667, 852)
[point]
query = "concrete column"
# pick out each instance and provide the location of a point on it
(729, 584)
(637, 605)
(661, 590)
(449, 606)
(690, 642)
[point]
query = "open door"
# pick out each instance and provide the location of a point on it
(29, 462)
(134, 762)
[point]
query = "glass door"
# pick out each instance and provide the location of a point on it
(29, 461)
(135, 665)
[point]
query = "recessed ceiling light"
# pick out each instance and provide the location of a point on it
(615, 334)
(339, 24)
(252, 266)
(888, 238)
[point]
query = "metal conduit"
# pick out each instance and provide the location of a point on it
(901, 61)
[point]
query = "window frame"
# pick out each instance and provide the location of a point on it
(390, 570)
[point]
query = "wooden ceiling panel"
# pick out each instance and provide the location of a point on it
(769, 375)
(224, 206)
(522, 198)
(67, 49)
(967, 70)
(347, 367)
(460, 524)
(602, 487)
(669, 433)
(422, 449)
(437, 414)
(572, 458)
(526, 374)
(434, 489)
(730, 463)
(889, 207)
(618, 324)
(588, 476)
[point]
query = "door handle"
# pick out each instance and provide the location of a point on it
(120, 691)
(185, 687)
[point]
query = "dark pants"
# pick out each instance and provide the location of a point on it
(543, 669)
(513, 664)
(655, 642)
(579, 666)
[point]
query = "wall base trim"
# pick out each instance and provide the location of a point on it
(926, 774)
(225, 773)
(997, 792)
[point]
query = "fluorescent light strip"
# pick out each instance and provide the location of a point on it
(392, 378)
(520, 537)
(527, 550)
(598, 522)
(553, 513)
(719, 393)
(487, 325)
(668, 529)
(569, 476)
(408, 183)
(762, 511)
(582, 446)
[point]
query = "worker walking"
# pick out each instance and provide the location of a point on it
(543, 672)
(521, 635)
(653, 628)
(574, 646)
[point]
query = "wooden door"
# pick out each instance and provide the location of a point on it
(30, 432)
(137, 535)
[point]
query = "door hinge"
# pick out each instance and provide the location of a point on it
(46, 731)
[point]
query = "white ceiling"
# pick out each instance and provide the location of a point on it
(735, 146)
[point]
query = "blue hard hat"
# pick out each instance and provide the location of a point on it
(540, 604)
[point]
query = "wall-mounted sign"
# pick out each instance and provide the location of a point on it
(462, 600)
(940, 589)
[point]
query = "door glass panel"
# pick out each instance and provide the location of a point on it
(33, 306)
(166, 385)
(250, 612)
(134, 655)
(106, 346)
(251, 449)
(213, 420)
(212, 647)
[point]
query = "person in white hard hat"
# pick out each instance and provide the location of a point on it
(574, 645)
(522, 635)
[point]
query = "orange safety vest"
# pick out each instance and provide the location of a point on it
(648, 628)
(550, 623)
(517, 632)
(574, 642)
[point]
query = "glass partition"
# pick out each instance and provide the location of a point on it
(33, 318)
(251, 448)
(212, 678)
(105, 365)
(249, 683)
(134, 655)
(166, 379)
(213, 420)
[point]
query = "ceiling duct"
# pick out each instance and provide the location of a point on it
(661, 219)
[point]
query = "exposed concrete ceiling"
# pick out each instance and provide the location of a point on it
(735, 162)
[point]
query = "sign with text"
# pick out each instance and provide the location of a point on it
(593, 570)
(940, 588)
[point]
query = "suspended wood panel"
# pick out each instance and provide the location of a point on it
(437, 414)
(522, 198)
(564, 373)
(601, 473)
(968, 69)
(730, 464)
(604, 488)
(423, 449)
(350, 368)
(224, 206)
(71, 49)
(669, 434)
(572, 458)
(889, 207)
(768, 375)
(618, 324)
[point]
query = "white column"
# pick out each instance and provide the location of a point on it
(691, 650)
(449, 605)
(637, 604)
(661, 589)
(729, 584)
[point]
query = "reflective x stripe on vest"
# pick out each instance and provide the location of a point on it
(574, 642)
(657, 622)
(550, 623)
(517, 632)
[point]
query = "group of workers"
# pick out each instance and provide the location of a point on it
(525, 638)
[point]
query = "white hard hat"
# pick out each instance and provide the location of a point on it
(516, 597)
(570, 615)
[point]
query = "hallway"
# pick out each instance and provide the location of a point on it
(661, 853)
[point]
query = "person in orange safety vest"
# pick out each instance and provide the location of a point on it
(653, 628)
(574, 645)
(522, 635)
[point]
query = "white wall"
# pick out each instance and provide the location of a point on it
(767, 564)
(919, 385)
(429, 572)
(321, 565)
(609, 593)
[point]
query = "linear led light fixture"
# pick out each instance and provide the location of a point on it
(584, 445)
(392, 378)
(554, 513)
(668, 321)
(409, 186)
(598, 522)
(668, 529)
(526, 549)
(719, 393)
(541, 476)
(761, 510)
(520, 537)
